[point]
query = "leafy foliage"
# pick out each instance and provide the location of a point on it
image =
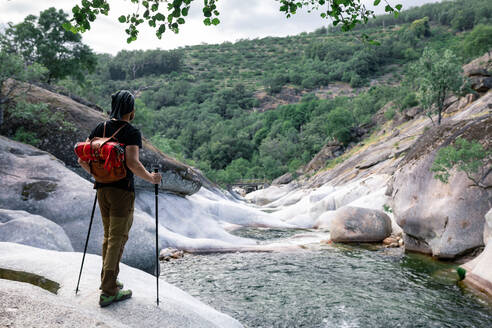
(39, 112)
(12, 67)
(387, 208)
(420, 27)
(435, 77)
(211, 111)
(44, 41)
(458, 15)
(467, 156)
(28, 137)
(347, 13)
(32, 120)
(478, 41)
(134, 64)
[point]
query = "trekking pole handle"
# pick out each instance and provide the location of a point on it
(156, 170)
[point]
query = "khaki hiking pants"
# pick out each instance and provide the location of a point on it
(116, 207)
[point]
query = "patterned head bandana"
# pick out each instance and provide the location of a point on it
(122, 103)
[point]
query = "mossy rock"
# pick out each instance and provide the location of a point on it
(38, 190)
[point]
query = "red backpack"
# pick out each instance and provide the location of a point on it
(106, 157)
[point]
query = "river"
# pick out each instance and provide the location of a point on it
(330, 285)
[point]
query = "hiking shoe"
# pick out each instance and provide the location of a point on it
(105, 300)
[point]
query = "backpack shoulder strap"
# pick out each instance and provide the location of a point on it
(114, 134)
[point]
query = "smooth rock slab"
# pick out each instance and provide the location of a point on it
(479, 271)
(445, 220)
(25, 305)
(176, 309)
(32, 230)
(40, 184)
(34, 181)
(269, 195)
(487, 231)
(355, 224)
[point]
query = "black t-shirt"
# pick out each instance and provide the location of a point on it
(129, 136)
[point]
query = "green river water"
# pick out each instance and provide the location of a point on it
(329, 286)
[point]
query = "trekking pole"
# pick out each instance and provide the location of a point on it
(86, 242)
(157, 268)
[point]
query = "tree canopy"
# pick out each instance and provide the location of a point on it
(13, 68)
(43, 40)
(260, 108)
(478, 41)
(436, 77)
(171, 14)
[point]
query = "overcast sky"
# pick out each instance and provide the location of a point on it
(240, 19)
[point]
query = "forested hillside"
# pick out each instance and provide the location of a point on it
(260, 108)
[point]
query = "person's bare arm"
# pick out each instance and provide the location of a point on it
(134, 164)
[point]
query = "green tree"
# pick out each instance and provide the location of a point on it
(405, 98)
(478, 41)
(464, 20)
(138, 63)
(237, 169)
(436, 77)
(12, 67)
(162, 15)
(420, 27)
(274, 83)
(43, 40)
(469, 157)
(339, 122)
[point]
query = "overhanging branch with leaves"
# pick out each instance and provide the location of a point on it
(163, 15)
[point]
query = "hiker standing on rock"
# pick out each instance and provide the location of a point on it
(116, 199)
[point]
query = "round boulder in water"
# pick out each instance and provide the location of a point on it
(357, 224)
